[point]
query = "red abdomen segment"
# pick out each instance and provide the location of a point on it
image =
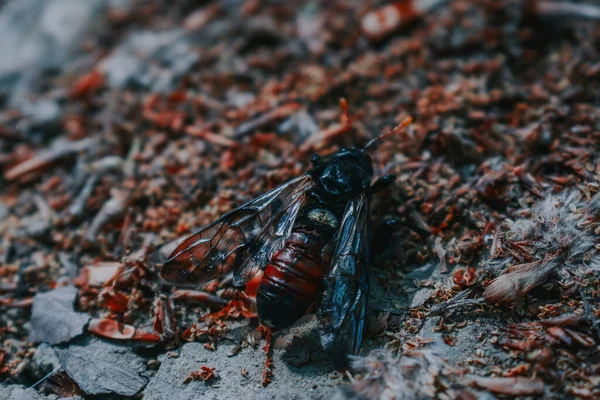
(292, 280)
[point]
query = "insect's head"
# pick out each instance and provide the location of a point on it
(349, 172)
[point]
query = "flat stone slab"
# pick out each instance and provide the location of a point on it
(18, 392)
(102, 368)
(311, 381)
(54, 319)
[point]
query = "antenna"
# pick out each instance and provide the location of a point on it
(346, 121)
(407, 121)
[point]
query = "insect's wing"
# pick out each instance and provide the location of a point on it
(271, 238)
(343, 304)
(253, 232)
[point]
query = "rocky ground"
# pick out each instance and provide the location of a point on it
(127, 124)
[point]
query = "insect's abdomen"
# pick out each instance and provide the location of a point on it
(292, 280)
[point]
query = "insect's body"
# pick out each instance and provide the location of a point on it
(310, 236)
(294, 277)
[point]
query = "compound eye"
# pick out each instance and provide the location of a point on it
(323, 216)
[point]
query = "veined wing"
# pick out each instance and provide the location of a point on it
(344, 301)
(254, 232)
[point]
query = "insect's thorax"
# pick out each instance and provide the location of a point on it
(342, 177)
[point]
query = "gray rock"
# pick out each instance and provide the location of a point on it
(101, 368)
(423, 272)
(307, 382)
(44, 361)
(466, 339)
(53, 318)
(17, 392)
(421, 297)
(429, 331)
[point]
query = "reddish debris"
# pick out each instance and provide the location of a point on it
(508, 386)
(197, 296)
(534, 335)
(381, 22)
(276, 114)
(563, 320)
(97, 274)
(3, 368)
(517, 281)
(45, 158)
(199, 18)
(204, 374)
(116, 301)
(233, 310)
(99, 170)
(88, 84)
(111, 329)
(164, 317)
(147, 337)
(464, 277)
(16, 303)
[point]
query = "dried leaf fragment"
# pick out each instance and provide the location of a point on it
(42, 159)
(518, 282)
(111, 329)
(509, 386)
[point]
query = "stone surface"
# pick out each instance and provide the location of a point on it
(311, 381)
(54, 319)
(44, 361)
(421, 297)
(18, 392)
(474, 335)
(102, 368)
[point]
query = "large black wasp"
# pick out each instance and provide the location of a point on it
(310, 236)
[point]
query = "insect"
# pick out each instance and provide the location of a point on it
(310, 236)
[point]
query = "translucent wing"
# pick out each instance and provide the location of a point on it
(254, 232)
(344, 301)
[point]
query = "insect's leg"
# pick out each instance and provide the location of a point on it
(383, 234)
(316, 159)
(390, 225)
(268, 367)
(382, 183)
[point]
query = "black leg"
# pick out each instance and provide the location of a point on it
(392, 223)
(315, 159)
(415, 226)
(383, 235)
(382, 183)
